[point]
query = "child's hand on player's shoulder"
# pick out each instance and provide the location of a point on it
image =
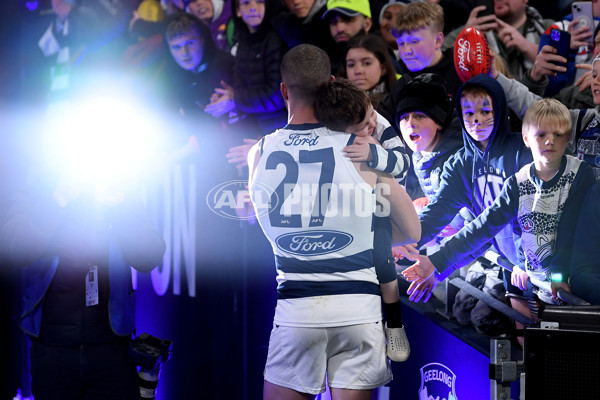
(360, 149)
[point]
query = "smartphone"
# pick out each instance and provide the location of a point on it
(560, 40)
(583, 12)
(489, 7)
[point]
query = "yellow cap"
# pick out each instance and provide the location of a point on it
(151, 10)
(350, 8)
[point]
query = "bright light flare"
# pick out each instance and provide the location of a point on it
(105, 141)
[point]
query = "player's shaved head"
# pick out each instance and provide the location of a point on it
(304, 69)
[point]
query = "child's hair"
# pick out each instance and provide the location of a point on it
(240, 27)
(548, 112)
(500, 64)
(181, 24)
(374, 44)
(475, 90)
(415, 16)
(340, 104)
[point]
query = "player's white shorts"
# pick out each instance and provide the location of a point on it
(354, 357)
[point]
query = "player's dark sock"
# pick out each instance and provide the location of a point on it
(393, 314)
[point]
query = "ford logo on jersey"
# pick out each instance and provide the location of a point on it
(313, 243)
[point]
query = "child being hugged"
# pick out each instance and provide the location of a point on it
(343, 106)
(255, 88)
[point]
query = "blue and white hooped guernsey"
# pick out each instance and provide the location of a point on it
(317, 212)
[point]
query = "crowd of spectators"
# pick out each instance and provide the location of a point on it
(215, 65)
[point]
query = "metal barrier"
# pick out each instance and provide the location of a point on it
(562, 294)
(555, 321)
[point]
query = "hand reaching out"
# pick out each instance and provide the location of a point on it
(419, 271)
(408, 251)
(238, 155)
(423, 290)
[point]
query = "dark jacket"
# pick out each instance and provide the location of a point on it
(312, 29)
(473, 178)
(257, 75)
(191, 90)
(39, 234)
(428, 167)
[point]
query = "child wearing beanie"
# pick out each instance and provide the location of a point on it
(423, 116)
(342, 106)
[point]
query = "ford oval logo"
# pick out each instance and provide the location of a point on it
(312, 243)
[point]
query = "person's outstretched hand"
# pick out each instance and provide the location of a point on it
(419, 271)
(511, 37)
(238, 155)
(408, 251)
(423, 290)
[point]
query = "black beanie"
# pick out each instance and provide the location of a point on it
(425, 93)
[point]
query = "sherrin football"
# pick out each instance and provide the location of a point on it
(471, 54)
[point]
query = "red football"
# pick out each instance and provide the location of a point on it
(471, 54)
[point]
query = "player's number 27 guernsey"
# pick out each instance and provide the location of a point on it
(317, 212)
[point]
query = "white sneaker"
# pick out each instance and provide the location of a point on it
(398, 348)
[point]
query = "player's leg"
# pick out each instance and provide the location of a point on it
(357, 363)
(296, 363)
(398, 347)
(272, 391)
(347, 394)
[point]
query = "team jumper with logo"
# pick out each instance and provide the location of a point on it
(473, 178)
(542, 215)
(323, 249)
